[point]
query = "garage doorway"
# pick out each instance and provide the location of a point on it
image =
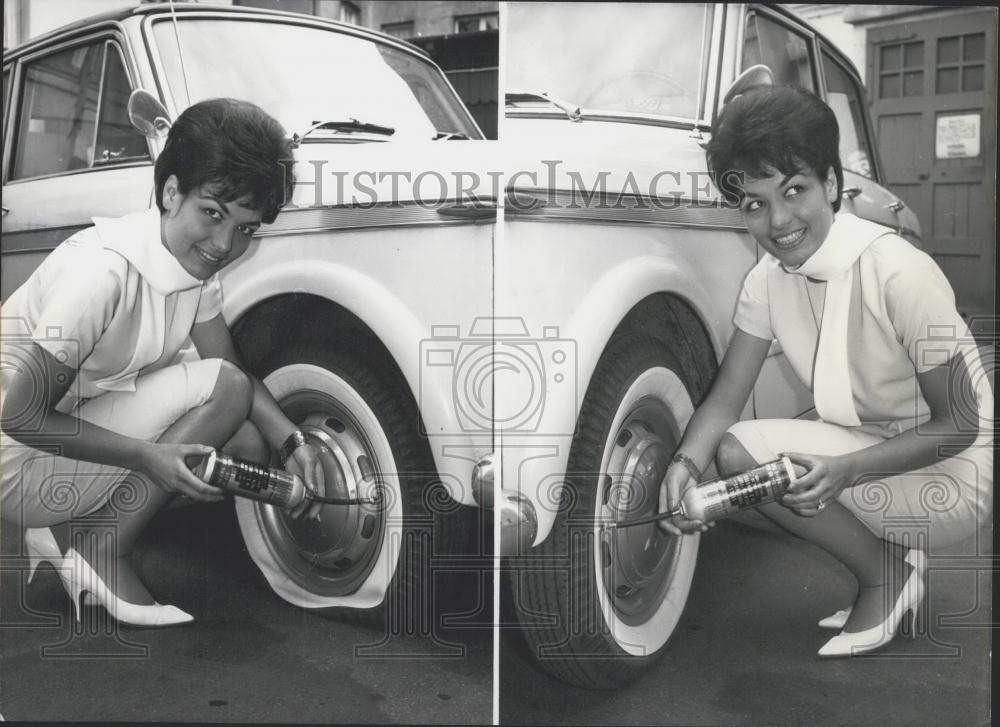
(933, 89)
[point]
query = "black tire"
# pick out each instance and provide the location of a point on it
(569, 632)
(322, 387)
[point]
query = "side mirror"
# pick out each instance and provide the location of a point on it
(758, 75)
(148, 115)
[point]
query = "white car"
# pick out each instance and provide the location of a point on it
(618, 246)
(336, 302)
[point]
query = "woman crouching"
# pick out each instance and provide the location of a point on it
(893, 466)
(94, 388)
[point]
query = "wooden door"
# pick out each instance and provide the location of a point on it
(933, 89)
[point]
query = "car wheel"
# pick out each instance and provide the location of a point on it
(612, 609)
(370, 562)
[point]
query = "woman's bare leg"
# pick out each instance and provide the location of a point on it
(877, 565)
(214, 423)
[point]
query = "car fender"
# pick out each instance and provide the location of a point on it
(394, 325)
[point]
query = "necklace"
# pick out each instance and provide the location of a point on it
(817, 317)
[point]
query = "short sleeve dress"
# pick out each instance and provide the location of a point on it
(860, 354)
(114, 304)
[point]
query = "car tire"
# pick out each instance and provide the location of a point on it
(352, 402)
(608, 601)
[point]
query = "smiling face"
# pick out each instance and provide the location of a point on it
(789, 215)
(204, 233)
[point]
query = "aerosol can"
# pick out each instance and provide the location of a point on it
(273, 486)
(725, 496)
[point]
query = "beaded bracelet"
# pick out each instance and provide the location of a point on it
(692, 468)
(295, 440)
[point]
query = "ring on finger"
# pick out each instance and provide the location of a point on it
(820, 505)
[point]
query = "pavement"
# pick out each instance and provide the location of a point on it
(745, 649)
(744, 652)
(249, 656)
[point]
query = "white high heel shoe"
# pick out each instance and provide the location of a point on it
(860, 642)
(836, 621)
(42, 548)
(82, 579)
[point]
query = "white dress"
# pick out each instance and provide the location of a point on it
(897, 318)
(115, 305)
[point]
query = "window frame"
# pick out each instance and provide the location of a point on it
(788, 24)
(456, 19)
(10, 71)
(903, 69)
(960, 64)
(827, 50)
(102, 37)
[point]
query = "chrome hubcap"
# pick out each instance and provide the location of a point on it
(637, 562)
(332, 555)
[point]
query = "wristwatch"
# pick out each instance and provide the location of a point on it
(692, 468)
(295, 440)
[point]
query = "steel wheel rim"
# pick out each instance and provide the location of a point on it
(641, 626)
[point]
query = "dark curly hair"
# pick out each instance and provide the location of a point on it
(768, 128)
(232, 147)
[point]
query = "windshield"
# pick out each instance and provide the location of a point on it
(304, 75)
(635, 58)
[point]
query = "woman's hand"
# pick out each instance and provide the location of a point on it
(166, 466)
(676, 482)
(305, 464)
(824, 480)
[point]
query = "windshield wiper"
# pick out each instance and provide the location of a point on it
(340, 126)
(571, 109)
(450, 135)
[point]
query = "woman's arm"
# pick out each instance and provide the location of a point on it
(213, 340)
(730, 391)
(35, 386)
(938, 438)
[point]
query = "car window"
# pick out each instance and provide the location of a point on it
(117, 139)
(611, 58)
(57, 131)
(779, 48)
(304, 75)
(845, 98)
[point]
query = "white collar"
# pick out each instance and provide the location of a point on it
(136, 237)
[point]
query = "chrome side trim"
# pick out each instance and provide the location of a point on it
(629, 209)
(387, 214)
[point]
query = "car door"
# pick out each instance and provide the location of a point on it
(70, 152)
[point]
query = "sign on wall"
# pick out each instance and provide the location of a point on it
(957, 136)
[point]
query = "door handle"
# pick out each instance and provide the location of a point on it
(850, 192)
(474, 210)
(896, 205)
(6, 211)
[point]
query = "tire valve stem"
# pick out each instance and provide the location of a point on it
(725, 496)
(271, 485)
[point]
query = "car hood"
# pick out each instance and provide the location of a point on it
(622, 158)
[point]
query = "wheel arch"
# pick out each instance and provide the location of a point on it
(290, 302)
